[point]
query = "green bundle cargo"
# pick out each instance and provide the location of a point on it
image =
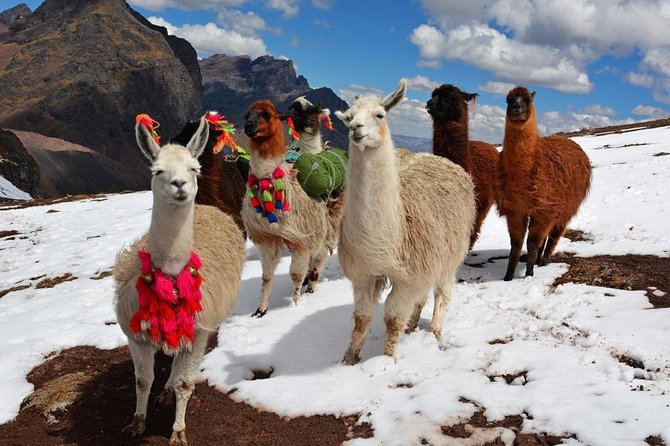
(323, 173)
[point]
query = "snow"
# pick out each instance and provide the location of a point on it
(8, 190)
(562, 343)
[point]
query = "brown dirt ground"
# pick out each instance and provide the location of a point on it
(99, 385)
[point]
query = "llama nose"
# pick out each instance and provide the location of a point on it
(250, 129)
(178, 183)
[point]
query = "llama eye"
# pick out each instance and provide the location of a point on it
(157, 172)
(380, 116)
(195, 170)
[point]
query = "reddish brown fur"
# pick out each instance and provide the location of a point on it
(451, 140)
(220, 183)
(541, 183)
(269, 138)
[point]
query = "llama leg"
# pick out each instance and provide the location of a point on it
(537, 232)
(554, 236)
(269, 253)
(516, 225)
(315, 268)
(414, 318)
(143, 361)
(366, 296)
(399, 305)
(442, 296)
(298, 271)
(186, 364)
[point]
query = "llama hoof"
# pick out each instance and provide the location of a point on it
(542, 262)
(258, 313)
(166, 398)
(178, 438)
(310, 288)
(508, 278)
(350, 358)
(136, 428)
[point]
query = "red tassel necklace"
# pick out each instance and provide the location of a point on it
(168, 306)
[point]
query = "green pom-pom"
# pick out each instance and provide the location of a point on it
(279, 184)
(267, 196)
(250, 193)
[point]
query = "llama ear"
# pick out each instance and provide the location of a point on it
(325, 112)
(532, 96)
(146, 142)
(467, 97)
(199, 139)
(394, 98)
(339, 115)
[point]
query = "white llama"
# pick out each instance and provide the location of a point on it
(164, 269)
(407, 220)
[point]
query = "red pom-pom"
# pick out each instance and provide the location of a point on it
(264, 184)
(255, 202)
(279, 195)
(278, 173)
(269, 206)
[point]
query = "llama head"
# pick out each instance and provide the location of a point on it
(174, 168)
(449, 104)
(366, 119)
(306, 116)
(262, 120)
(520, 104)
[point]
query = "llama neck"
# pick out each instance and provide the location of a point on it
(450, 140)
(170, 238)
(266, 154)
(310, 143)
(520, 143)
(373, 210)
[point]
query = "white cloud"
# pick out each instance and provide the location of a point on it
(553, 122)
(426, 63)
(322, 4)
(210, 39)
(600, 110)
(410, 118)
(487, 123)
(421, 83)
(499, 88)
(159, 5)
(288, 7)
(509, 60)
(246, 24)
(640, 79)
(563, 36)
(651, 112)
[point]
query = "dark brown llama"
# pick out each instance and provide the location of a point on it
(448, 106)
(540, 185)
(222, 180)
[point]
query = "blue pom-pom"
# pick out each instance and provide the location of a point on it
(279, 205)
(272, 218)
(259, 209)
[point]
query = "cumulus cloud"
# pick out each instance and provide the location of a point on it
(210, 39)
(650, 111)
(509, 60)
(421, 83)
(245, 24)
(640, 79)
(499, 88)
(599, 110)
(560, 37)
(288, 7)
(159, 5)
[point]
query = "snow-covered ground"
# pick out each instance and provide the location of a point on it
(563, 343)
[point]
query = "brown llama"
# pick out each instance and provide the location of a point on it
(540, 185)
(277, 212)
(223, 177)
(448, 106)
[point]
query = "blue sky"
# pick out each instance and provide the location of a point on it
(592, 62)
